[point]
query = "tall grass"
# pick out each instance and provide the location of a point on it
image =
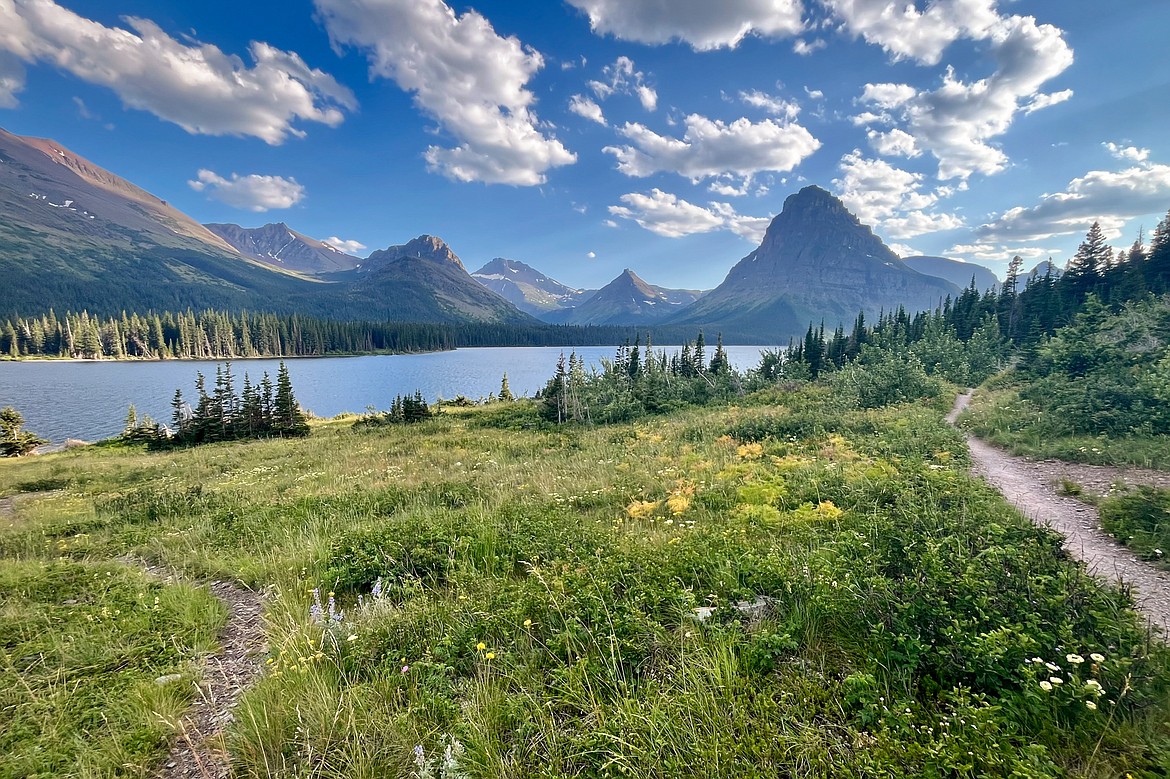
(792, 587)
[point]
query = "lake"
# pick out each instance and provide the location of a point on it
(89, 400)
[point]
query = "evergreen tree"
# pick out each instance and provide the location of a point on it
(289, 420)
(15, 442)
(505, 390)
(720, 366)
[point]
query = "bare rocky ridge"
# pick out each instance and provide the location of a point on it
(280, 246)
(1031, 486)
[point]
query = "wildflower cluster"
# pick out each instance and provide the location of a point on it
(445, 766)
(325, 614)
(1069, 685)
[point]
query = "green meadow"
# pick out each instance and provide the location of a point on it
(788, 586)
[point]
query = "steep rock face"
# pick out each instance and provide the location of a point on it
(957, 272)
(423, 280)
(627, 300)
(527, 288)
(816, 262)
(282, 247)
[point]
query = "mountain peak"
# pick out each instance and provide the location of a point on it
(426, 247)
(280, 246)
(816, 261)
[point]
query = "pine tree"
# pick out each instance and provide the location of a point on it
(289, 419)
(506, 391)
(180, 414)
(720, 365)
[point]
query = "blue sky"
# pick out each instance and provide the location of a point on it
(586, 136)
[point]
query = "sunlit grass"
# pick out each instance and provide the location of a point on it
(999, 414)
(787, 587)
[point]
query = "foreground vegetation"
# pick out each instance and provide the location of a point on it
(661, 568)
(792, 585)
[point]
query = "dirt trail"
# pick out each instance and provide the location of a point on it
(1031, 486)
(198, 751)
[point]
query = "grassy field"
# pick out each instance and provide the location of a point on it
(789, 587)
(1000, 415)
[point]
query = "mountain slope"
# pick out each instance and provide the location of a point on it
(627, 300)
(74, 235)
(527, 288)
(427, 282)
(47, 189)
(282, 247)
(816, 262)
(956, 272)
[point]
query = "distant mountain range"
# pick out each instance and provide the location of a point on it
(957, 272)
(627, 300)
(280, 246)
(76, 236)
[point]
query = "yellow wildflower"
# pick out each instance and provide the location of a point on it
(828, 510)
(640, 509)
(750, 451)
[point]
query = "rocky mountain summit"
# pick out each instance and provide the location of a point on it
(282, 247)
(816, 263)
(627, 300)
(527, 288)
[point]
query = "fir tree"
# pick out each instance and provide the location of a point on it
(289, 420)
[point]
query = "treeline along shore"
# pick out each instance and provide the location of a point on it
(214, 334)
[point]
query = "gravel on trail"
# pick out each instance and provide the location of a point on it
(1032, 486)
(198, 751)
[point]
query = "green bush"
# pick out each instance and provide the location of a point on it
(1140, 520)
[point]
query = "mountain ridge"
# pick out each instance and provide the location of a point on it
(279, 245)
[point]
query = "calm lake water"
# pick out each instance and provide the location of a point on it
(88, 400)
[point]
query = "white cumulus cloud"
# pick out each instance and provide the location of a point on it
(252, 192)
(905, 32)
(1131, 153)
(462, 73)
(194, 85)
(702, 24)
(805, 48)
(711, 147)
(773, 104)
(668, 215)
(1109, 197)
(958, 121)
(584, 107)
(343, 245)
(895, 143)
(890, 198)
